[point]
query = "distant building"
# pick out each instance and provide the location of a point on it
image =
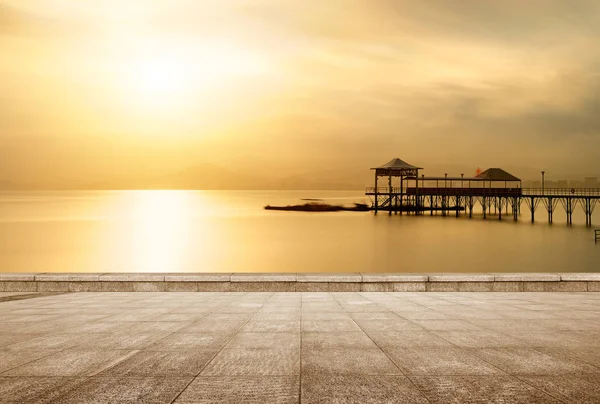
(562, 184)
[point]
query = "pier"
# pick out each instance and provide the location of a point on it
(496, 191)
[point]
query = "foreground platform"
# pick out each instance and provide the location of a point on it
(301, 347)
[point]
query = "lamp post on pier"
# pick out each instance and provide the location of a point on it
(543, 172)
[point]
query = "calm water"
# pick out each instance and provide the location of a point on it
(216, 231)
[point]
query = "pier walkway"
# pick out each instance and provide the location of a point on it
(492, 201)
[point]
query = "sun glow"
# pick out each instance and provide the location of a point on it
(178, 75)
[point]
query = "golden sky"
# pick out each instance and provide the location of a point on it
(93, 89)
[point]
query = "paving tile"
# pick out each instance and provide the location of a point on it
(445, 325)
(407, 339)
(329, 326)
(12, 359)
(324, 315)
(241, 389)
(387, 325)
(367, 389)
(72, 362)
(347, 361)
(575, 389)
(479, 390)
(183, 341)
(529, 361)
(52, 341)
(7, 338)
(254, 362)
(336, 340)
(108, 390)
(214, 326)
(478, 339)
(443, 361)
(163, 363)
(278, 340)
(272, 326)
(18, 390)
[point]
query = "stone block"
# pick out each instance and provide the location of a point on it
(475, 286)
(52, 277)
(592, 277)
(468, 277)
(311, 287)
(410, 287)
(133, 277)
(117, 286)
(199, 277)
(181, 286)
(442, 287)
(85, 286)
(526, 277)
(22, 277)
(343, 287)
(332, 277)
(2, 287)
(555, 286)
(507, 286)
(214, 286)
(18, 286)
(149, 286)
(262, 286)
(249, 277)
(83, 277)
(393, 277)
(593, 286)
(566, 287)
(52, 286)
(377, 287)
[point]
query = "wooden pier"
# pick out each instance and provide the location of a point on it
(497, 192)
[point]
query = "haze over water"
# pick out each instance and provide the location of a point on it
(226, 231)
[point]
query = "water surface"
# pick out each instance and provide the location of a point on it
(218, 231)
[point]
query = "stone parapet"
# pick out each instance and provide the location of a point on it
(299, 282)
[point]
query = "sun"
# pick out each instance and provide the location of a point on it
(164, 77)
(155, 77)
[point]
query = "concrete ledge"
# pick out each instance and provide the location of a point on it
(198, 277)
(264, 278)
(302, 282)
(392, 277)
(332, 277)
(461, 278)
(527, 277)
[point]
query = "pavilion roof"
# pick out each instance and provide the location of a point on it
(397, 164)
(496, 174)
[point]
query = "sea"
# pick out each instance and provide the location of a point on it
(230, 231)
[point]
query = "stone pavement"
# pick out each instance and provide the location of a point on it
(358, 347)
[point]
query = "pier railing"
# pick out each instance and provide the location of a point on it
(481, 191)
(561, 192)
(441, 191)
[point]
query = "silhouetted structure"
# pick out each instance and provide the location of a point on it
(494, 189)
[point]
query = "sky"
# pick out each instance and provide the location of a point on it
(115, 92)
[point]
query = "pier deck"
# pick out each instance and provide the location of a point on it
(496, 200)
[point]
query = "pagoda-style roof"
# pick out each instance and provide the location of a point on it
(397, 164)
(496, 174)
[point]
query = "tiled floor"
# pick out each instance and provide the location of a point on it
(301, 347)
